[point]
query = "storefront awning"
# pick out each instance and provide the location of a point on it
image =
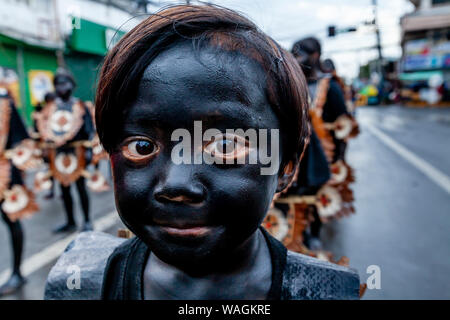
(16, 41)
(425, 22)
(93, 38)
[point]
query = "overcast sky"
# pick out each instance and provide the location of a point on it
(289, 20)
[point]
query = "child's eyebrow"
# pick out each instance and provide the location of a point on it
(238, 115)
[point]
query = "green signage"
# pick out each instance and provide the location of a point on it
(94, 38)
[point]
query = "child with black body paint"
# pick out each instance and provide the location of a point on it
(12, 134)
(197, 226)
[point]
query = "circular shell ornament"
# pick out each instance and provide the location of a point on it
(329, 202)
(26, 156)
(59, 126)
(42, 181)
(18, 202)
(97, 149)
(66, 163)
(276, 224)
(61, 121)
(343, 127)
(321, 255)
(339, 172)
(5, 175)
(97, 182)
(98, 153)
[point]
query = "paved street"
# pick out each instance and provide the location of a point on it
(402, 221)
(41, 246)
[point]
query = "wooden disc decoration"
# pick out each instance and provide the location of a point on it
(61, 121)
(347, 200)
(97, 182)
(329, 202)
(355, 128)
(276, 223)
(339, 172)
(67, 167)
(5, 175)
(19, 202)
(343, 126)
(42, 181)
(59, 126)
(25, 156)
(98, 153)
(298, 219)
(66, 163)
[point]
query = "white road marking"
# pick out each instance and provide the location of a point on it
(437, 176)
(52, 252)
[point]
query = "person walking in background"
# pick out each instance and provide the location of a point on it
(15, 200)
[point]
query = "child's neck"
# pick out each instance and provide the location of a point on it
(249, 277)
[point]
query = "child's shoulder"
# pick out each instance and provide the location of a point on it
(305, 277)
(78, 273)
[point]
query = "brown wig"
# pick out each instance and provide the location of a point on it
(204, 25)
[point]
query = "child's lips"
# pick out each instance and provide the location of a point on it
(187, 231)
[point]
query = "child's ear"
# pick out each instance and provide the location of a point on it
(288, 175)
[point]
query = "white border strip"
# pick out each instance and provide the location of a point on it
(52, 252)
(437, 176)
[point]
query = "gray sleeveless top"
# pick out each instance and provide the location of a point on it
(88, 257)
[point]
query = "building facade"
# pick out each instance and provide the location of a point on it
(38, 36)
(426, 40)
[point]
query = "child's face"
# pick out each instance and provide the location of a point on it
(63, 87)
(191, 213)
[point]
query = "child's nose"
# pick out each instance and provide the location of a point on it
(179, 185)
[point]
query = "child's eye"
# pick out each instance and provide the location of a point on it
(227, 147)
(139, 149)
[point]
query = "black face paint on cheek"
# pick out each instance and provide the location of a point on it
(194, 213)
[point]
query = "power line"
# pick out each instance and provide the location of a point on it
(373, 47)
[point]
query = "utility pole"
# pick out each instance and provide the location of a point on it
(377, 32)
(380, 53)
(59, 37)
(142, 4)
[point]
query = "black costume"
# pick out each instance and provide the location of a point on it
(314, 171)
(65, 126)
(15, 200)
(17, 133)
(334, 108)
(112, 269)
(318, 191)
(335, 104)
